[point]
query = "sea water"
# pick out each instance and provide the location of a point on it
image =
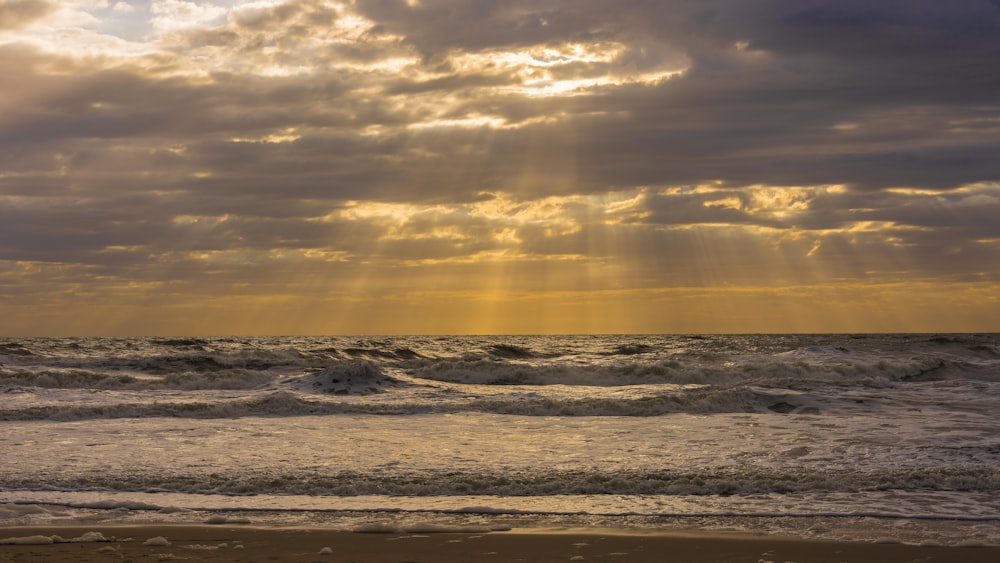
(877, 437)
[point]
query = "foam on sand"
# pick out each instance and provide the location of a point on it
(38, 539)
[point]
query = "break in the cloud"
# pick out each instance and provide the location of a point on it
(318, 166)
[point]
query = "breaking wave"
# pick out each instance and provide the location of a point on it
(357, 377)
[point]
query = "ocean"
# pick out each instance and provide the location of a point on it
(874, 437)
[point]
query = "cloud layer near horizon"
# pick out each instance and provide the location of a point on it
(453, 166)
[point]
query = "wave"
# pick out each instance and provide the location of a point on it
(14, 349)
(489, 372)
(343, 377)
(790, 371)
(380, 354)
(510, 351)
(347, 378)
(601, 361)
(279, 403)
(83, 379)
(802, 382)
(311, 395)
(706, 401)
(198, 343)
(541, 482)
(631, 350)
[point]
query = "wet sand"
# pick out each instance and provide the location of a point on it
(228, 543)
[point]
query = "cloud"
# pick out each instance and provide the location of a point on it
(16, 14)
(384, 147)
(170, 15)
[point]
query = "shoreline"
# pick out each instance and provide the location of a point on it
(248, 544)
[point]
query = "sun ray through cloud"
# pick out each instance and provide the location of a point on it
(368, 166)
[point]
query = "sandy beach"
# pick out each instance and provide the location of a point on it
(252, 544)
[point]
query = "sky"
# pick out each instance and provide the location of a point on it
(174, 167)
